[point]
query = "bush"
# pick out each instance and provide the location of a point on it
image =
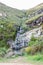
(34, 46)
(2, 51)
(33, 41)
(28, 50)
(33, 38)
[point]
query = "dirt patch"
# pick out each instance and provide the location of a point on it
(15, 64)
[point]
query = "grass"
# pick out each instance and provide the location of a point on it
(10, 59)
(33, 58)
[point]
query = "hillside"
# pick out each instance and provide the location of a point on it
(10, 19)
(10, 14)
(36, 10)
(14, 22)
(33, 16)
(16, 16)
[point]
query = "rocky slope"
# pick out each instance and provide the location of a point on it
(34, 16)
(15, 25)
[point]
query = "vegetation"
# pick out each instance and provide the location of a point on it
(35, 46)
(34, 18)
(36, 8)
(34, 51)
(7, 31)
(10, 20)
(36, 59)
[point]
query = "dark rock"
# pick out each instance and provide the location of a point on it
(36, 22)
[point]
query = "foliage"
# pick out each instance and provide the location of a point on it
(28, 50)
(7, 31)
(10, 20)
(2, 51)
(35, 45)
(34, 18)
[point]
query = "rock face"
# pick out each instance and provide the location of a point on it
(0, 14)
(38, 21)
(3, 14)
(19, 42)
(35, 32)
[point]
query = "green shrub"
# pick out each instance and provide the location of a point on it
(35, 45)
(33, 38)
(2, 51)
(28, 50)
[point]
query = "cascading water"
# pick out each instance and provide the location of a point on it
(19, 42)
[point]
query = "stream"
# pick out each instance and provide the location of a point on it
(19, 42)
(22, 39)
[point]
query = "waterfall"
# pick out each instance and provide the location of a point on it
(22, 40)
(19, 42)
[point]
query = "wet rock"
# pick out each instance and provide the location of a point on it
(19, 42)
